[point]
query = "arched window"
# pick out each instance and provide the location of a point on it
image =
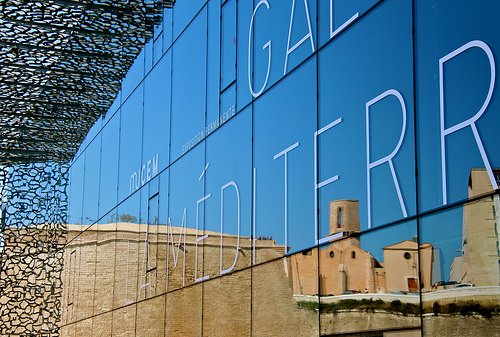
(353, 254)
(339, 217)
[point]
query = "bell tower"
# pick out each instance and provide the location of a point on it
(344, 216)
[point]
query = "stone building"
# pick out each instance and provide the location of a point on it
(124, 267)
(401, 265)
(345, 267)
(480, 260)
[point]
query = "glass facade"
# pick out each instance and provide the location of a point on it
(294, 168)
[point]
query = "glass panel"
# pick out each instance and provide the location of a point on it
(151, 317)
(105, 263)
(68, 330)
(153, 187)
(167, 29)
(337, 15)
(285, 166)
(228, 43)
(112, 109)
(158, 29)
(161, 275)
(91, 182)
(371, 281)
(84, 328)
(365, 137)
(101, 324)
(185, 232)
(127, 256)
(184, 12)
(181, 319)
(109, 166)
(148, 246)
(457, 117)
(94, 130)
(227, 110)
(227, 305)
(291, 28)
(134, 76)
(75, 206)
(463, 242)
(157, 49)
(124, 321)
(132, 173)
(227, 106)
(188, 87)
(86, 245)
(148, 56)
(285, 296)
(228, 209)
(213, 60)
(245, 10)
(156, 138)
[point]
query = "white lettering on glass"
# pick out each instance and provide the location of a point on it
(203, 173)
(266, 45)
(231, 183)
(198, 239)
(134, 182)
(307, 36)
(144, 174)
(211, 127)
(343, 26)
(388, 158)
(146, 266)
(175, 255)
(285, 153)
(317, 185)
(143, 178)
(471, 121)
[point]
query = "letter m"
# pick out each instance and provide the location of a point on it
(175, 253)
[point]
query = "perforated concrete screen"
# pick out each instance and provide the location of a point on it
(61, 63)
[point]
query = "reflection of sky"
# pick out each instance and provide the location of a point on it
(341, 12)
(109, 164)
(374, 241)
(444, 231)
(186, 188)
(354, 69)
(466, 83)
(91, 182)
(157, 114)
(188, 85)
(227, 156)
(228, 43)
(372, 56)
(130, 141)
(282, 118)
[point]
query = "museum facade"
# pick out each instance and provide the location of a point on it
(294, 167)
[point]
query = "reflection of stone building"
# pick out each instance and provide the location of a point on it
(480, 259)
(131, 262)
(401, 263)
(109, 268)
(344, 266)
